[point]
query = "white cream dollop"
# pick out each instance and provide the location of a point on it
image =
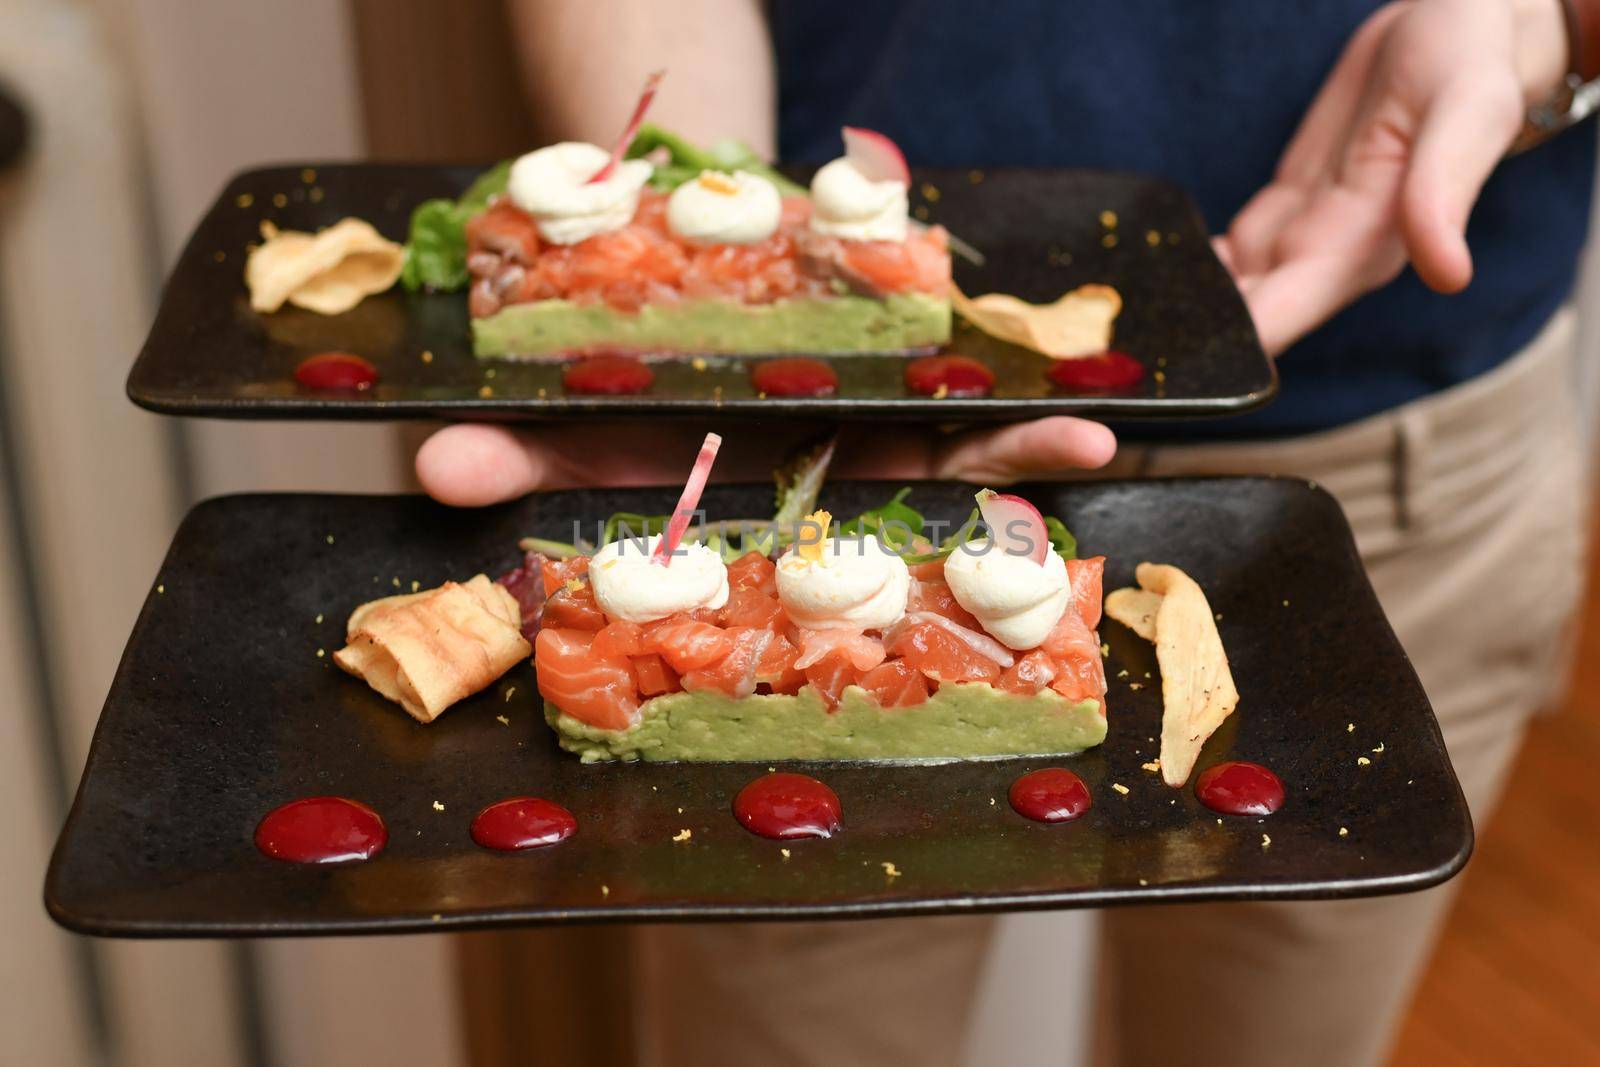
(1017, 601)
(845, 203)
(857, 584)
(720, 208)
(552, 185)
(630, 587)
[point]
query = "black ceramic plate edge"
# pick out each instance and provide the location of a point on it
(78, 919)
(145, 389)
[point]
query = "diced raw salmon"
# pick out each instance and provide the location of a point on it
(734, 674)
(687, 644)
(863, 652)
(1029, 674)
(654, 676)
(895, 684)
(940, 654)
(593, 689)
(573, 609)
(1086, 576)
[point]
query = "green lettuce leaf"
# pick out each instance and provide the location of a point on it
(436, 250)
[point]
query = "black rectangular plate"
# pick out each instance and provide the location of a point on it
(209, 354)
(222, 709)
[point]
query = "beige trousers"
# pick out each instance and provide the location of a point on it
(1470, 511)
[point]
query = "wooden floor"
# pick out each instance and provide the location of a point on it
(1516, 978)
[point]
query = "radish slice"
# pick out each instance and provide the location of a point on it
(875, 156)
(689, 501)
(650, 85)
(1014, 525)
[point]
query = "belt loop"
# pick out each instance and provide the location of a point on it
(1410, 462)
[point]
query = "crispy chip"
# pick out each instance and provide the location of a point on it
(1197, 690)
(329, 272)
(1136, 609)
(427, 650)
(1078, 324)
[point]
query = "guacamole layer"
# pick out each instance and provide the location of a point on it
(820, 325)
(964, 721)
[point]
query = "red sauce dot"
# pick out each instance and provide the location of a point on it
(783, 806)
(794, 377)
(1239, 788)
(1107, 371)
(960, 376)
(607, 376)
(322, 830)
(339, 372)
(1052, 794)
(521, 823)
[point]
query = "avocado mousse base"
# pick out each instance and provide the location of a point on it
(967, 720)
(816, 325)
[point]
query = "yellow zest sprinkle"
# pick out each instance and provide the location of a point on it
(1160, 375)
(1105, 651)
(484, 392)
(699, 363)
(427, 356)
(541, 392)
(784, 852)
(502, 720)
(717, 182)
(1143, 882)
(1350, 729)
(1362, 760)
(437, 916)
(1119, 787)
(320, 653)
(930, 192)
(395, 581)
(574, 586)
(1153, 766)
(890, 869)
(1108, 219)
(330, 539)
(1135, 685)
(942, 391)
(1285, 603)
(680, 811)
(605, 891)
(1378, 750)
(509, 691)
(1108, 241)
(1344, 831)
(319, 618)
(808, 549)
(1266, 840)
(1122, 673)
(415, 585)
(991, 802)
(437, 806)
(161, 590)
(1152, 238)
(683, 835)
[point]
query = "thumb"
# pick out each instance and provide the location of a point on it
(1465, 133)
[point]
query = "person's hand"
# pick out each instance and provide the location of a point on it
(1386, 165)
(471, 465)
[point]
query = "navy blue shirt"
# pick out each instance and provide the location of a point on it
(1206, 93)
